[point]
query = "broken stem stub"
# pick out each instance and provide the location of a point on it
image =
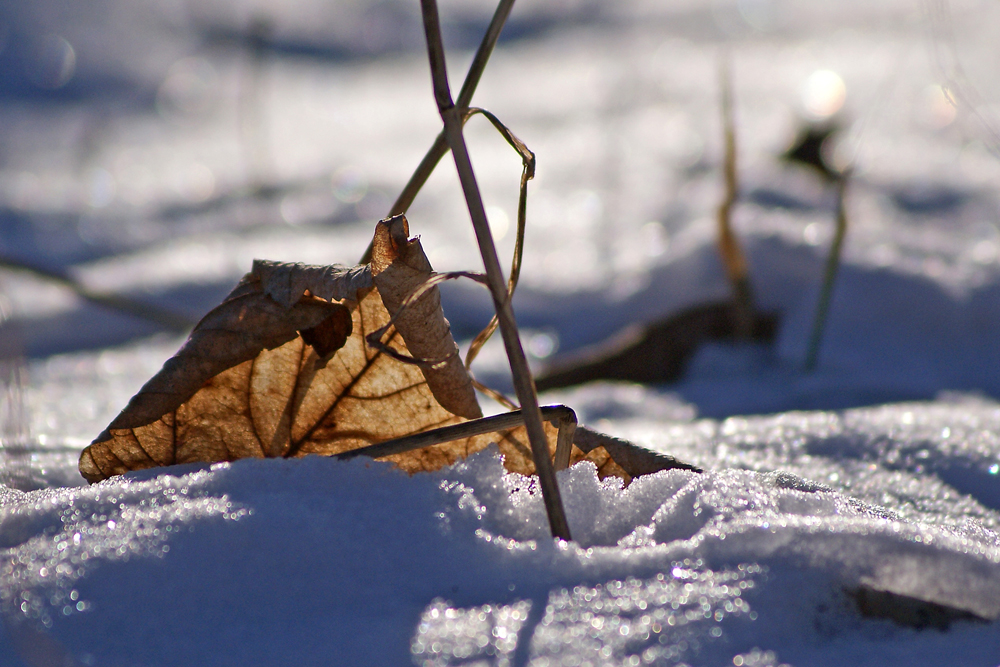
(733, 257)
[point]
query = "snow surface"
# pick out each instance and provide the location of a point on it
(308, 561)
(880, 471)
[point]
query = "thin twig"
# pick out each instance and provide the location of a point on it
(164, 318)
(440, 146)
(524, 386)
(829, 276)
(729, 247)
(560, 415)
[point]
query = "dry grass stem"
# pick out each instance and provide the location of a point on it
(829, 276)
(523, 384)
(495, 395)
(563, 417)
(440, 145)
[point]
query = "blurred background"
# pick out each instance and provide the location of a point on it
(151, 150)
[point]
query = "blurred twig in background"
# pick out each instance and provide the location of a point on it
(829, 276)
(733, 258)
(167, 319)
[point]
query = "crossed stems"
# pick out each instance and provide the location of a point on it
(524, 385)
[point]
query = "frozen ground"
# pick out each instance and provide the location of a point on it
(156, 149)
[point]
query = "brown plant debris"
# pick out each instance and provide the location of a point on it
(282, 368)
(910, 611)
(656, 352)
(615, 457)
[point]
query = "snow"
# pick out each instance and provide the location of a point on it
(879, 472)
(272, 562)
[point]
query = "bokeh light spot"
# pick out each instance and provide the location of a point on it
(823, 94)
(53, 62)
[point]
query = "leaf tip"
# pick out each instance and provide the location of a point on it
(391, 240)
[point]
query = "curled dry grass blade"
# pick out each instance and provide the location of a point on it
(527, 173)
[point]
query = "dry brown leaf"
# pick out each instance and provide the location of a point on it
(247, 322)
(256, 379)
(282, 401)
(277, 371)
(286, 282)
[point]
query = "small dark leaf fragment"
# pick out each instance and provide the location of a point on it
(810, 149)
(909, 611)
(658, 351)
(332, 333)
